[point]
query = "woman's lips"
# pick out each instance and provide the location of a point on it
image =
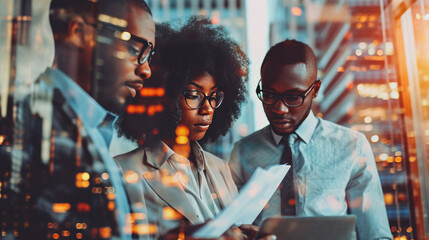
(202, 126)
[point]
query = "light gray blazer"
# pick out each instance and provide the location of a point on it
(155, 191)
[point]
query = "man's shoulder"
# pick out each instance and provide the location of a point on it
(326, 128)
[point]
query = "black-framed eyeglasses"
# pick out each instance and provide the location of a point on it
(195, 98)
(136, 46)
(289, 99)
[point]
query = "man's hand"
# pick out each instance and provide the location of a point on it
(251, 231)
(244, 232)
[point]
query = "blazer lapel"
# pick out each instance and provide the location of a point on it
(164, 181)
(219, 186)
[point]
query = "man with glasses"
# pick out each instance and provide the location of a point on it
(63, 182)
(333, 171)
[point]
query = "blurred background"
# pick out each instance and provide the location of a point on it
(373, 60)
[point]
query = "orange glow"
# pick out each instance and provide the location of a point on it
(215, 20)
(97, 180)
(135, 109)
(79, 235)
(144, 229)
(60, 207)
(182, 150)
(137, 216)
(111, 205)
(148, 175)
(182, 131)
(170, 213)
(182, 140)
(169, 181)
(160, 92)
(350, 86)
(409, 229)
(66, 233)
(111, 196)
(374, 67)
(55, 236)
(84, 176)
(374, 58)
(82, 180)
(105, 232)
(152, 109)
(291, 202)
(131, 177)
(388, 198)
(152, 92)
(83, 207)
(398, 159)
(296, 11)
(82, 184)
(390, 159)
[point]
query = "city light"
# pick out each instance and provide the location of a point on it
(374, 138)
(170, 213)
(60, 207)
(125, 36)
(296, 11)
(131, 177)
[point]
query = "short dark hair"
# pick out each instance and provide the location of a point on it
(62, 11)
(291, 51)
(198, 47)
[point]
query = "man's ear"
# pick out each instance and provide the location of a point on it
(316, 88)
(76, 31)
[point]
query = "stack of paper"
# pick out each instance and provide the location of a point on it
(248, 204)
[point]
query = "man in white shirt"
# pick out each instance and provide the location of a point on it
(333, 169)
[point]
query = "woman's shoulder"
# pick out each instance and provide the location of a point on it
(215, 161)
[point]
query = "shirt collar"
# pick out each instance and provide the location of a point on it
(158, 155)
(199, 155)
(304, 131)
(89, 111)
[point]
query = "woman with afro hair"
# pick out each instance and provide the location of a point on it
(202, 72)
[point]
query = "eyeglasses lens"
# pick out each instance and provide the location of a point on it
(196, 99)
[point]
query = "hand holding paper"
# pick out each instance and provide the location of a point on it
(248, 204)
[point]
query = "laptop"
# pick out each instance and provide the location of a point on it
(306, 228)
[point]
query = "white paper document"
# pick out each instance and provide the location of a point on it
(250, 201)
